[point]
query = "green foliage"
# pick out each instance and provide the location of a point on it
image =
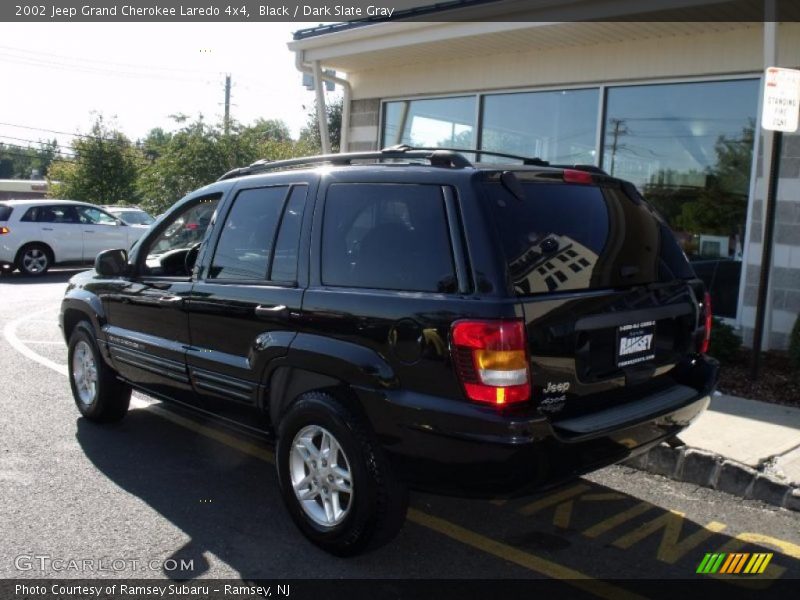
(310, 136)
(722, 204)
(198, 153)
(104, 171)
(794, 346)
(18, 162)
(725, 343)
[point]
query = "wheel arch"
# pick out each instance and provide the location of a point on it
(316, 363)
(48, 248)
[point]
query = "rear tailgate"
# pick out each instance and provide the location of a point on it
(607, 295)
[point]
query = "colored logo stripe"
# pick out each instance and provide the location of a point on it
(734, 563)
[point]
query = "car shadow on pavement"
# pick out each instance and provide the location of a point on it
(52, 276)
(229, 504)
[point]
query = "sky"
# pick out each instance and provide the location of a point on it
(56, 75)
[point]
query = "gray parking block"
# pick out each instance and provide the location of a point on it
(700, 467)
(735, 478)
(769, 490)
(665, 460)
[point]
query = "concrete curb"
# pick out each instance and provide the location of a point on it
(717, 472)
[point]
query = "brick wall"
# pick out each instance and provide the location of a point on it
(364, 119)
(785, 278)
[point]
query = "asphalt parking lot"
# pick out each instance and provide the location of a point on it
(169, 486)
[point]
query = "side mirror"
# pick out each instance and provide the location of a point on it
(111, 263)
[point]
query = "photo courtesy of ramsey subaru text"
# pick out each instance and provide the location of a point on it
(404, 319)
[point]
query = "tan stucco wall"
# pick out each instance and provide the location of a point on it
(737, 51)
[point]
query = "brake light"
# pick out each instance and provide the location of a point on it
(576, 176)
(492, 361)
(707, 320)
(4, 230)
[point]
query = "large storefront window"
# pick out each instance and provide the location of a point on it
(557, 126)
(442, 122)
(688, 148)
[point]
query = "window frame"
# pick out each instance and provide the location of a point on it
(163, 223)
(453, 226)
(223, 217)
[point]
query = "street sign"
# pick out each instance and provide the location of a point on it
(781, 99)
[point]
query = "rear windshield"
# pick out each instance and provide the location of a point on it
(5, 212)
(562, 237)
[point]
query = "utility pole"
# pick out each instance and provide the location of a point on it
(227, 121)
(618, 131)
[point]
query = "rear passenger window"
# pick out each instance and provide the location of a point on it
(284, 262)
(5, 212)
(387, 236)
(58, 213)
(246, 239)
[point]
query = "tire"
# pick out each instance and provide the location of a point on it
(373, 511)
(98, 394)
(34, 260)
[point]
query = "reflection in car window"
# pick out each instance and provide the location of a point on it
(387, 236)
(246, 239)
(57, 213)
(167, 252)
(94, 216)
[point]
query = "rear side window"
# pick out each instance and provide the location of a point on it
(59, 213)
(5, 212)
(244, 247)
(563, 237)
(287, 245)
(387, 236)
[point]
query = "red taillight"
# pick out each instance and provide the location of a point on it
(492, 361)
(4, 230)
(707, 320)
(576, 176)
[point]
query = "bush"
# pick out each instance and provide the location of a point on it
(725, 343)
(794, 346)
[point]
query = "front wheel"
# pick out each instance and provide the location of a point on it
(335, 481)
(98, 394)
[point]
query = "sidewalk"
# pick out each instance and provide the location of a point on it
(744, 447)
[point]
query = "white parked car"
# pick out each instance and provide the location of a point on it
(132, 215)
(37, 234)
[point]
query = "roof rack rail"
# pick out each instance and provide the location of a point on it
(436, 156)
(526, 160)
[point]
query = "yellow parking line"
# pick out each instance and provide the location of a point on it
(468, 537)
(520, 557)
(618, 519)
(552, 499)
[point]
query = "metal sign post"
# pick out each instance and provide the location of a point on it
(781, 106)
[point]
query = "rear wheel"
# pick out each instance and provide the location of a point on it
(335, 481)
(98, 394)
(34, 260)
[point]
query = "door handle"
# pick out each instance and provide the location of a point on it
(269, 310)
(47, 229)
(88, 231)
(170, 300)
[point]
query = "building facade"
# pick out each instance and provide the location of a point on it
(673, 107)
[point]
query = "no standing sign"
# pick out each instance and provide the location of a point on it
(781, 99)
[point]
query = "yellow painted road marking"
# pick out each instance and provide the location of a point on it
(618, 519)
(520, 557)
(552, 499)
(456, 532)
(670, 550)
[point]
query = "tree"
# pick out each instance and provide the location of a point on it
(19, 162)
(104, 169)
(198, 153)
(310, 133)
(721, 206)
(269, 130)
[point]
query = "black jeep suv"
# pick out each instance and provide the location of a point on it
(404, 318)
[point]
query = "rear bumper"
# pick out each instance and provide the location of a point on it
(458, 447)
